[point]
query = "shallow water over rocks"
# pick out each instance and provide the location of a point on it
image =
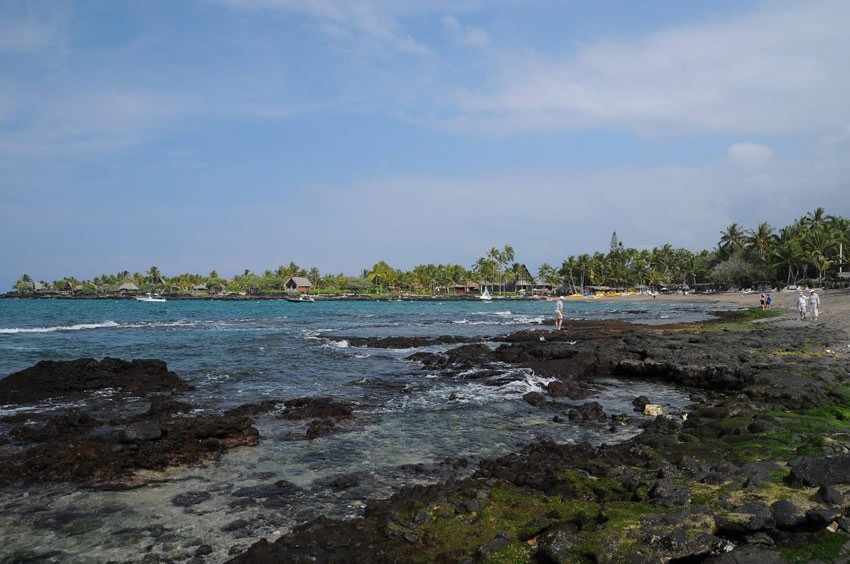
(409, 425)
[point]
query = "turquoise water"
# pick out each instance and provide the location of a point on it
(240, 352)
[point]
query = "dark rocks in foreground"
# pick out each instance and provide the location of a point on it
(77, 447)
(73, 378)
(686, 489)
(116, 455)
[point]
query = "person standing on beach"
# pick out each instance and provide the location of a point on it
(767, 301)
(814, 302)
(761, 301)
(802, 305)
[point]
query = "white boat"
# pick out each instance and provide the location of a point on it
(301, 298)
(149, 298)
(485, 295)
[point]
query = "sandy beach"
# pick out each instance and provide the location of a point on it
(834, 310)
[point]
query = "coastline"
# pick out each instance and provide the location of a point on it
(750, 384)
(755, 472)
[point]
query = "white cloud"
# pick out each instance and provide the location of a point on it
(750, 155)
(468, 35)
(780, 69)
(371, 24)
(64, 120)
(549, 215)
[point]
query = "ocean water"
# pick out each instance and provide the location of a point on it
(407, 420)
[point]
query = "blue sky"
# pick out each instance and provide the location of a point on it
(232, 134)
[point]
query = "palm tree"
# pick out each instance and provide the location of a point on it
(786, 254)
(816, 219)
(760, 240)
(567, 271)
(498, 259)
(819, 243)
(585, 269)
(381, 273)
(732, 239)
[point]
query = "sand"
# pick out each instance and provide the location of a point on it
(834, 309)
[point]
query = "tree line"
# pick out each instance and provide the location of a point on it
(810, 251)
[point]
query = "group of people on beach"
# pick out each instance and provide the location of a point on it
(807, 304)
(765, 301)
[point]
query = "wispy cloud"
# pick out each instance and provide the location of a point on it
(750, 155)
(469, 35)
(66, 120)
(368, 23)
(780, 69)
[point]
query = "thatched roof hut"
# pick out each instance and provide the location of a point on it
(128, 287)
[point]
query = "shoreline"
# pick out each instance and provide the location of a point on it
(756, 471)
(752, 388)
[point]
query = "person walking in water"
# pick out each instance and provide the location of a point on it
(814, 302)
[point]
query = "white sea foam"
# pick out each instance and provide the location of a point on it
(449, 395)
(77, 327)
(92, 326)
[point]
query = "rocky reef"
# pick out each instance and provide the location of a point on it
(76, 446)
(754, 471)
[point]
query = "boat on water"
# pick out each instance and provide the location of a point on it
(149, 298)
(301, 298)
(485, 296)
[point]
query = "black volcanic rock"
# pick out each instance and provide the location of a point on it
(306, 408)
(50, 378)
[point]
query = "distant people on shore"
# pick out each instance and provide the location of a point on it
(767, 301)
(761, 301)
(814, 303)
(802, 305)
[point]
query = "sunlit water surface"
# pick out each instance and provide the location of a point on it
(407, 421)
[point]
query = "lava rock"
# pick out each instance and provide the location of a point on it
(592, 411)
(143, 431)
(306, 408)
(73, 378)
(821, 471)
(535, 398)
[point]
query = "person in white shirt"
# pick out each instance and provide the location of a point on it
(802, 305)
(559, 313)
(814, 302)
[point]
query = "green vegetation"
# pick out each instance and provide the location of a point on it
(805, 252)
(826, 547)
(508, 510)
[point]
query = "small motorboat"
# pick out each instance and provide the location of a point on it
(149, 298)
(301, 298)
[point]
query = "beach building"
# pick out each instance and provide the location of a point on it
(542, 287)
(200, 288)
(37, 286)
(467, 288)
(298, 284)
(68, 287)
(128, 288)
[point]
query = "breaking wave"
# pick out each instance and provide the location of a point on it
(91, 326)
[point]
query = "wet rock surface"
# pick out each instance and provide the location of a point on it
(725, 482)
(76, 446)
(74, 378)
